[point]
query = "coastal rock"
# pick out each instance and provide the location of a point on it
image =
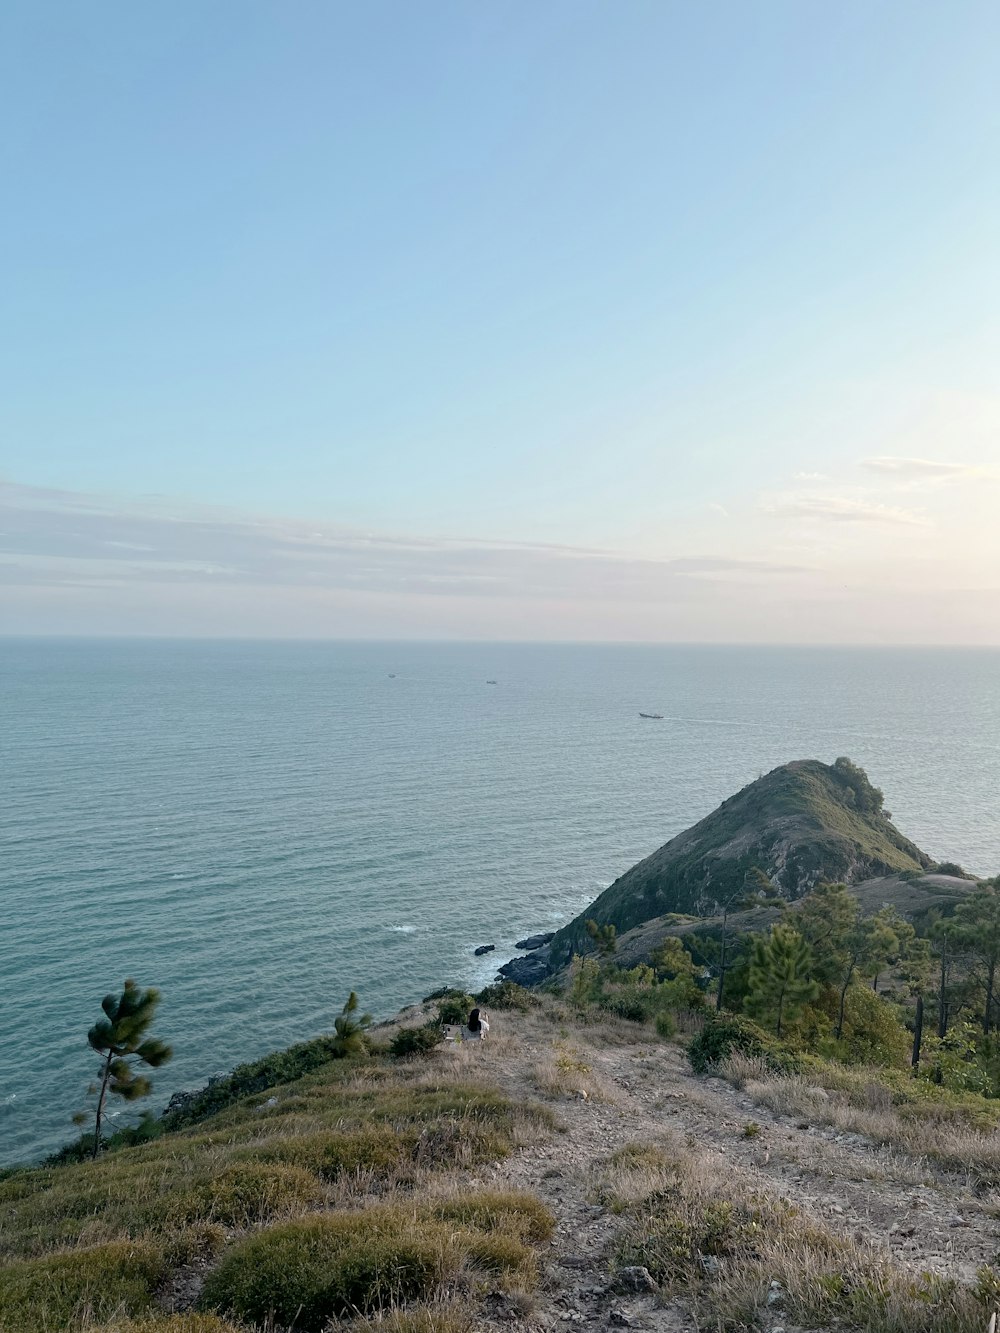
(484, 948)
(535, 941)
(528, 971)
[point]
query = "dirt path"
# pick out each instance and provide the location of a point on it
(639, 1092)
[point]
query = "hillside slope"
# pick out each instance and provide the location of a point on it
(526, 1215)
(801, 823)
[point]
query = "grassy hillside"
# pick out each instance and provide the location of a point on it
(613, 1188)
(328, 1195)
(802, 823)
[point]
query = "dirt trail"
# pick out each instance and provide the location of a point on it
(924, 1221)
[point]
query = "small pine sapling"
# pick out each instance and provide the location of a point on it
(120, 1039)
(350, 1028)
(605, 937)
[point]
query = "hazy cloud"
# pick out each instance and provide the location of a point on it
(840, 509)
(919, 467)
(60, 539)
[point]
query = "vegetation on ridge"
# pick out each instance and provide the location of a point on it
(803, 823)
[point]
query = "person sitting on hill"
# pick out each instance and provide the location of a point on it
(477, 1028)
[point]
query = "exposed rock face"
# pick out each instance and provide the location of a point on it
(528, 971)
(800, 824)
(535, 941)
(484, 948)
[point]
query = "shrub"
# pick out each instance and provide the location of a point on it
(951, 868)
(873, 1033)
(500, 1210)
(249, 1193)
(721, 1036)
(455, 1007)
(333, 1153)
(318, 1268)
(38, 1295)
(666, 1027)
(507, 995)
(503, 1255)
(634, 1004)
(416, 1041)
(194, 1243)
(245, 1080)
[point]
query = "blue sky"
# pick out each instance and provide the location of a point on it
(708, 292)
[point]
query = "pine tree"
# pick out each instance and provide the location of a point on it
(825, 919)
(120, 1039)
(869, 943)
(977, 929)
(605, 937)
(781, 980)
(757, 890)
(350, 1028)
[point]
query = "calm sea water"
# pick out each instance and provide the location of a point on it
(258, 828)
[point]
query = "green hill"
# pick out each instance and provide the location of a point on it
(801, 823)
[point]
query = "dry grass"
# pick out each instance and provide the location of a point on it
(565, 1071)
(941, 1132)
(445, 1317)
(736, 1253)
(89, 1243)
(166, 1323)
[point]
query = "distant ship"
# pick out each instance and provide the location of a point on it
(658, 716)
(491, 682)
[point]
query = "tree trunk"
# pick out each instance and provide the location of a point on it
(722, 964)
(942, 1030)
(781, 1005)
(843, 1002)
(875, 983)
(100, 1103)
(988, 1008)
(918, 1031)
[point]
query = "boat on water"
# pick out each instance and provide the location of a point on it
(491, 682)
(657, 716)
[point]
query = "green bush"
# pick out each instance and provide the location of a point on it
(500, 1210)
(721, 1036)
(332, 1153)
(873, 1033)
(248, 1193)
(633, 1003)
(416, 1041)
(502, 1254)
(455, 1007)
(257, 1076)
(318, 1268)
(507, 995)
(40, 1295)
(665, 1025)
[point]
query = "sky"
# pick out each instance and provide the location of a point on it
(638, 320)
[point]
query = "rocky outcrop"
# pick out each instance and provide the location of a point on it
(535, 941)
(529, 971)
(484, 948)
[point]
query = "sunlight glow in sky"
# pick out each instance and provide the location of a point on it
(574, 320)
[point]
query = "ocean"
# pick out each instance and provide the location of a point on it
(259, 828)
